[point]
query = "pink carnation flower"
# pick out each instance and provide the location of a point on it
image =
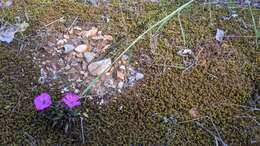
(71, 100)
(42, 101)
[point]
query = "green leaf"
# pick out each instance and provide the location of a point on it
(77, 110)
(54, 124)
(258, 33)
(66, 128)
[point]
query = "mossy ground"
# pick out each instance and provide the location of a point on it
(216, 86)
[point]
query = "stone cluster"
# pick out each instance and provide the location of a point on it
(77, 57)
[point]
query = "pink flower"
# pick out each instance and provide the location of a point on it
(42, 101)
(71, 100)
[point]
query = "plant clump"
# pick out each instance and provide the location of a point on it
(62, 115)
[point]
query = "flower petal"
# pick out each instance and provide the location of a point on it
(42, 101)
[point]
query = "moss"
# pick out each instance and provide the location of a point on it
(220, 81)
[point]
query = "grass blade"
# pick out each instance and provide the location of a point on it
(162, 21)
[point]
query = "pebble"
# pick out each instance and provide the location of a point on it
(139, 76)
(74, 53)
(76, 41)
(61, 62)
(89, 56)
(108, 37)
(135, 76)
(220, 35)
(78, 81)
(102, 102)
(86, 74)
(122, 67)
(77, 91)
(55, 76)
(184, 52)
(79, 55)
(98, 67)
(67, 67)
(109, 73)
(100, 91)
(84, 66)
(77, 28)
(92, 32)
(97, 38)
(81, 48)
(120, 85)
(51, 44)
(105, 48)
(96, 50)
(68, 48)
(58, 51)
(99, 33)
(41, 80)
(74, 63)
(60, 42)
(125, 57)
(120, 75)
(131, 80)
(65, 89)
(71, 31)
(109, 83)
(194, 113)
(66, 37)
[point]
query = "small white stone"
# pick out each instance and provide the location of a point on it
(220, 35)
(79, 55)
(120, 75)
(81, 48)
(71, 31)
(139, 76)
(79, 80)
(99, 33)
(89, 56)
(97, 68)
(65, 40)
(77, 28)
(108, 37)
(90, 33)
(105, 48)
(82, 72)
(97, 38)
(184, 52)
(66, 36)
(109, 83)
(68, 48)
(77, 91)
(120, 85)
(86, 74)
(122, 67)
(60, 42)
(120, 108)
(67, 67)
(102, 102)
(187, 51)
(125, 57)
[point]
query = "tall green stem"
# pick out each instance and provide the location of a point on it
(163, 21)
